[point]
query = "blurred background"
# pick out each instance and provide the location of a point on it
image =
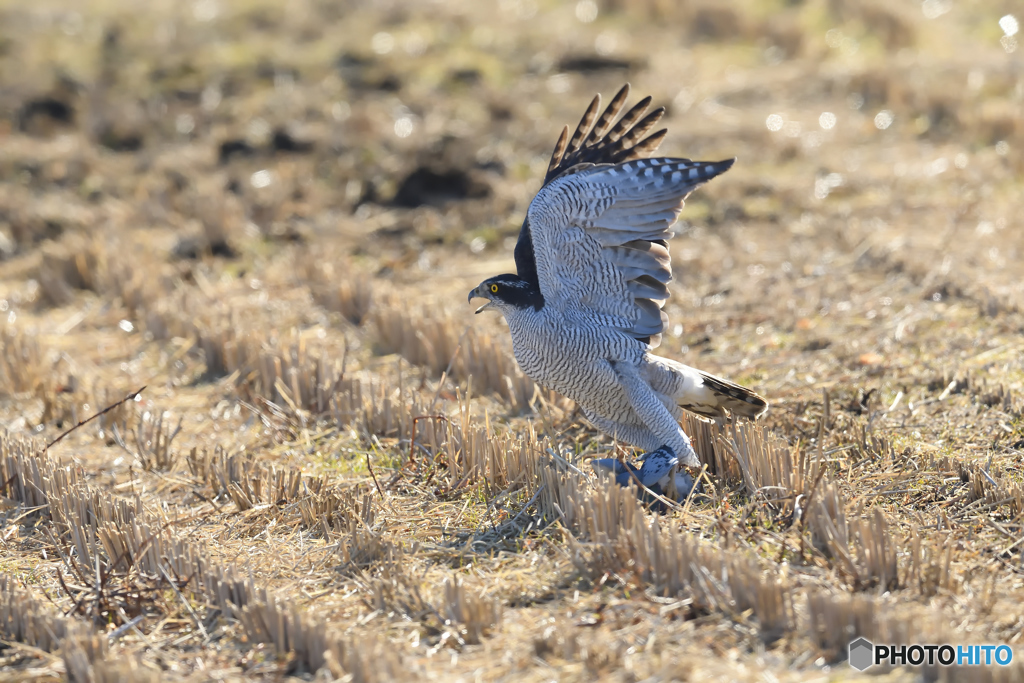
(429, 123)
(166, 162)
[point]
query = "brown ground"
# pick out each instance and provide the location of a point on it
(270, 217)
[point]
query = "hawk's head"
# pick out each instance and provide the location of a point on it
(507, 293)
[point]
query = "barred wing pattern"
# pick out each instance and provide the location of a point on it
(596, 141)
(599, 240)
(601, 143)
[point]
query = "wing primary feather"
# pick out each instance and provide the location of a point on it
(597, 141)
(650, 143)
(605, 122)
(623, 147)
(556, 156)
(629, 119)
(586, 122)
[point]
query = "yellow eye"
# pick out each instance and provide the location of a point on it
(494, 289)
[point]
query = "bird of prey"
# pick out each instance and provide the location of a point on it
(585, 309)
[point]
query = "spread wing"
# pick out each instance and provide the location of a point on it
(596, 141)
(600, 240)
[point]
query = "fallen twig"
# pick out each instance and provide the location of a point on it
(130, 397)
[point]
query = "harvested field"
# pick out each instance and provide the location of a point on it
(244, 232)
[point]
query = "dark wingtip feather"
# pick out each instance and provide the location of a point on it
(611, 111)
(556, 156)
(624, 124)
(649, 144)
(597, 141)
(583, 129)
(645, 124)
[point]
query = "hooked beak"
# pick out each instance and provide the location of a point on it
(481, 293)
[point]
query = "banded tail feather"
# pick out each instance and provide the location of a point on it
(735, 398)
(702, 393)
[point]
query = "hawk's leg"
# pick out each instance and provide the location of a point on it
(662, 425)
(635, 435)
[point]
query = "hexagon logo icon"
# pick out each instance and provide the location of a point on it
(861, 653)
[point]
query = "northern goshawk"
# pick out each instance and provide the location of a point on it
(585, 309)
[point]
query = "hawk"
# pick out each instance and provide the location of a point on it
(585, 309)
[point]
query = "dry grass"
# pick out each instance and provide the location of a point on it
(432, 339)
(312, 647)
(23, 366)
(29, 621)
(336, 471)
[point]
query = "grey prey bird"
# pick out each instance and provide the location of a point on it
(585, 309)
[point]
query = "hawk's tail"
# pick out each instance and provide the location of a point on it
(735, 398)
(702, 393)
